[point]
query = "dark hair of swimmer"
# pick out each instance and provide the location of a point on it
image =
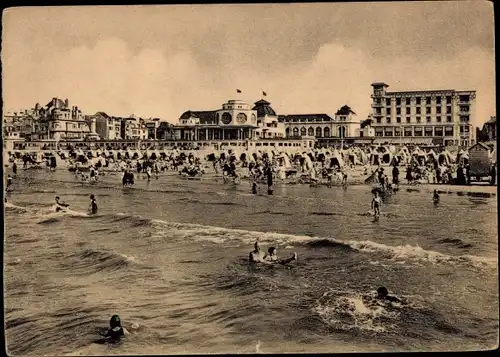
(382, 291)
(57, 197)
(271, 250)
(256, 245)
(92, 197)
(115, 321)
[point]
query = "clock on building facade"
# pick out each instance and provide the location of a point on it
(226, 118)
(241, 118)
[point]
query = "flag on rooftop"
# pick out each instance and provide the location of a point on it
(264, 94)
(238, 91)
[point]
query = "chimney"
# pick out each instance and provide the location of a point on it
(54, 102)
(66, 103)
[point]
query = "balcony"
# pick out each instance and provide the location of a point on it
(377, 105)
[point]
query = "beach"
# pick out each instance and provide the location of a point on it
(170, 257)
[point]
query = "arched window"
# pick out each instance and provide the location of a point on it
(310, 131)
(342, 132)
(295, 131)
(326, 132)
(287, 132)
(318, 132)
(303, 131)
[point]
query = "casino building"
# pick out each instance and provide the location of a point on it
(236, 120)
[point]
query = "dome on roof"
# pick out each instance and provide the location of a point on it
(263, 108)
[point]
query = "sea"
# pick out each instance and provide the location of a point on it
(170, 257)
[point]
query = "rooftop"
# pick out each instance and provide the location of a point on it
(263, 108)
(205, 116)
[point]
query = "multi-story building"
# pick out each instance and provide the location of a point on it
(432, 116)
(490, 129)
(267, 121)
(107, 127)
(133, 128)
(234, 121)
(321, 126)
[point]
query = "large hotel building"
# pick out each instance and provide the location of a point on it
(441, 117)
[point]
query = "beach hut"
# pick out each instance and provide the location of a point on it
(336, 160)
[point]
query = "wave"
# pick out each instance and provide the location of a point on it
(220, 235)
(352, 310)
(9, 207)
(92, 260)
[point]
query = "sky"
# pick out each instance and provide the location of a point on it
(159, 61)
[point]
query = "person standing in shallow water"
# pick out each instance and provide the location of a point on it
(376, 203)
(93, 205)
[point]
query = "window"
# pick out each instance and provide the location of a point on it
(438, 119)
(303, 131)
(448, 131)
(428, 119)
(438, 110)
(438, 131)
(408, 101)
(310, 131)
(326, 132)
(419, 120)
(295, 131)
(388, 133)
(379, 133)
(448, 99)
(464, 98)
(428, 131)
(461, 129)
(427, 110)
(398, 101)
(428, 100)
(464, 119)
(438, 100)
(388, 102)
(418, 131)
(419, 100)
(318, 132)
(379, 120)
(388, 111)
(464, 108)
(448, 110)
(408, 119)
(397, 132)
(408, 132)
(448, 118)
(418, 110)
(398, 120)
(408, 110)
(398, 111)
(388, 120)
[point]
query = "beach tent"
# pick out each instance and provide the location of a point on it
(387, 157)
(336, 160)
(431, 155)
(375, 159)
(462, 157)
(444, 158)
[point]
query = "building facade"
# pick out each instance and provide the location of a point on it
(133, 128)
(269, 127)
(107, 127)
(234, 121)
(440, 117)
(321, 126)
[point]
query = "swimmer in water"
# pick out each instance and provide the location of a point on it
(116, 331)
(435, 197)
(272, 257)
(60, 205)
(256, 255)
(93, 204)
(376, 203)
(383, 294)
